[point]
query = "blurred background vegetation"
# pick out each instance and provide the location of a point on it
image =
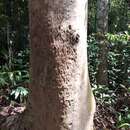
(108, 54)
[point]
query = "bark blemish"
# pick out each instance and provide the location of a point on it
(66, 35)
(72, 36)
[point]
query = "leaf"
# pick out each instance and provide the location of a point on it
(128, 116)
(11, 76)
(3, 82)
(129, 89)
(23, 91)
(16, 94)
(124, 125)
(119, 118)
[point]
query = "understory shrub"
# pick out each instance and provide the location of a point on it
(14, 79)
(117, 94)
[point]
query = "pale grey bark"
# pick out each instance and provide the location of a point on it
(102, 29)
(61, 97)
(102, 16)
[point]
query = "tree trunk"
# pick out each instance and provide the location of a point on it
(102, 29)
(102, 16)
(61, 97)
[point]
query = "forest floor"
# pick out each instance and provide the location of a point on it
(105, 118)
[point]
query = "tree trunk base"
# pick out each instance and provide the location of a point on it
(11, 118)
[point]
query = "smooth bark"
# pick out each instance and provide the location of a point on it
(102, 29)
(61, 97)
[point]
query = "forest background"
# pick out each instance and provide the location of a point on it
(108, 57)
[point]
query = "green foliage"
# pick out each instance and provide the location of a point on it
(115, 38)
(13, 27)
(118, 16)
(14, 50)
(16, 76)
(20, 93)
(13, 78)
(118, 59)
(124, 121)
(93, 51)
